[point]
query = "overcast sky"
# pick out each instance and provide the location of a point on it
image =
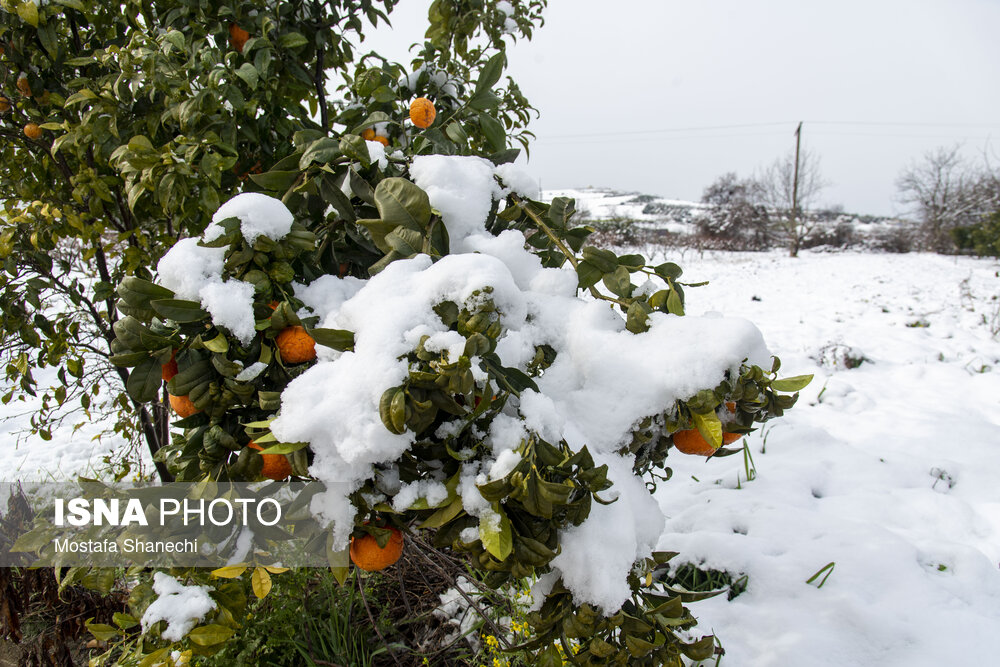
(625, 87)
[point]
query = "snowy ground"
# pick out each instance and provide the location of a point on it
(889, 470)
(77, 447)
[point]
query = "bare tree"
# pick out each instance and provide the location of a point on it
(733, 219)
(788, 205)
(945, 192)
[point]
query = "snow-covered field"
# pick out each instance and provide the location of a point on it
(889, 470)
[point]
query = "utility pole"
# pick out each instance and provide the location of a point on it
(794, 229)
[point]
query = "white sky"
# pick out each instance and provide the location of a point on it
(620, 85)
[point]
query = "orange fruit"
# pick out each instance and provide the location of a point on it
(183, 406)
(422, 112)
(169, 369)
(369, 556)
(368, 134)
(273, 305)
(32, 131)
(237, 37)
(276, 466)
(691, 442)
(23, 85)
(4, 104)
(382, 140)
(295, 345)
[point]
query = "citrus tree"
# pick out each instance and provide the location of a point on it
(387, 308)
(125, 125)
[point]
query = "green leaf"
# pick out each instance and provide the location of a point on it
(674, 304)
(668, 270)
(129, 359)
(102, 631)
(792, 384)
(124, 621)
(179, 310)
(353, 146)
(28, 11)
(283, 447)
(493, 129)
(143, 383)
(604, 260)
(210, 635)
(407, 242)
(337, 339)
(619, 282)
(292, 40)
(82, 95)
(588, 274)
(496, 535)
(703, 649)
(249, 74)
(275, 181)
(401, 202)
(443, 515)
(491, 72)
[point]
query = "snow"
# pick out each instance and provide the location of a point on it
(188, 267)
(376, 154)
(518, 180)
(180, 606)
(194, 272)
(230, 305)
(886, 469)
(462, 188)
(596, 557)
(259, 215)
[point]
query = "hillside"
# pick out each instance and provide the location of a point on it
(658, 219)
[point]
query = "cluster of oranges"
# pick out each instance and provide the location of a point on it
(31, 130)
(295, 346)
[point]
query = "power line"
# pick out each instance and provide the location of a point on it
(706, 128)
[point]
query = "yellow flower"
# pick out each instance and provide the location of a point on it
(492, 642)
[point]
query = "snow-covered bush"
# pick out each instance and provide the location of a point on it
(481, 373)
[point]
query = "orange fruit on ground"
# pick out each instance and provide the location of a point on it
(422, 112)
(23, 85)
(169, 369)
(368, 134)
(237, 37)
(369, 556)
(276, 466)
(183, 406)
(4, 104)
(295, 345)
(32, 131)
(382, 140)
(691, 442)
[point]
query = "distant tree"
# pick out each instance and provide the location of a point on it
(789, 206)
(733, 217)
(945, 193)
